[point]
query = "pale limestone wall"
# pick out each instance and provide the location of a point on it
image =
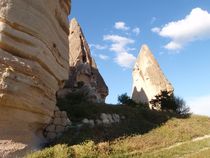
(33, 66)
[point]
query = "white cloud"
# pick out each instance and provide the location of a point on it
(98, 46)
(195, 26)
(200, 105)
(125, 59)
(136, 30)
(103, 57)
(119, 42)
(155, 29)
(131, 49)
(120, 25)
(120, 46)
(173, 46)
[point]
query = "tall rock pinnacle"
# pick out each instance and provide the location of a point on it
(83, 69)
(79, 51)
(148, 78)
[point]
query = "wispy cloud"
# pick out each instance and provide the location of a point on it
(98, 46)
(103, 57)
(120, 25)
(119, 42)
(120, 47)
(200, 105)
(153, 20)
(131, 49)
(125, 59)
(156, 29)
(136, 30)
(195, 26)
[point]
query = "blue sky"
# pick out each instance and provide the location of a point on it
(177, 32)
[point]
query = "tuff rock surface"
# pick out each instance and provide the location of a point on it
(58, 124)
(104, 120)
(148, 78)
(84, 75)
(33, 66)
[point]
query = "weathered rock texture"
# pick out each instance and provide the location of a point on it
(148, 78)
(84, 74)
(58, 124)
(104, 120)
(33, 66)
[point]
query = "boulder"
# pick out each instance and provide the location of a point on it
(84, 74)
(33, 66)
(148, 78)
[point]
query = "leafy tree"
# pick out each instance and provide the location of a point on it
(126, 100)
(167, 101)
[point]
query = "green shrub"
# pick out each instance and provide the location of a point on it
(169, 102)
(126, 100)
(181, 107)
(73, 98)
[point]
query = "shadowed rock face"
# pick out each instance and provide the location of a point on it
(148, 78)
(33, 66)
(83, 68)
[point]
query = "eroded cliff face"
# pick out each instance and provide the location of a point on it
(84, 74)
(34, 63)
(148, 78)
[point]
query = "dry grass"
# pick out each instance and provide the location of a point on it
(144, 133)
(203, 153)
(149, 145)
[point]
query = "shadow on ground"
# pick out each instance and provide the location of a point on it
(138, 120)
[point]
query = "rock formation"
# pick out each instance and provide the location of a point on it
(104, 120)
(59, 124)
(84, 74)
(148, 78)
(33, 66)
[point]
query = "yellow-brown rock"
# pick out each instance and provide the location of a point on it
(83, 69)
(148, 78)
(33, 66)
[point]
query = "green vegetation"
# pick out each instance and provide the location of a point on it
(167, 101)
(137, 120)
(183, 150)
(143, 133)
(158, 142)
(58, 151)
(125, 100)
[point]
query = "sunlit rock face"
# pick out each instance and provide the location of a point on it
(34, 63)
(148, 78)
(84, 75)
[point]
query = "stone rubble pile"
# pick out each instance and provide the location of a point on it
(59, 124)
(104, 120)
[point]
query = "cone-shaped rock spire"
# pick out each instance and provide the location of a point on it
(83, 69)
(148, 78)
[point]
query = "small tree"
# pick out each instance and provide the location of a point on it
(167, 101)
(125, 99)
(181, 107)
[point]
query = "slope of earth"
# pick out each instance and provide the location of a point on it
(143, 133)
